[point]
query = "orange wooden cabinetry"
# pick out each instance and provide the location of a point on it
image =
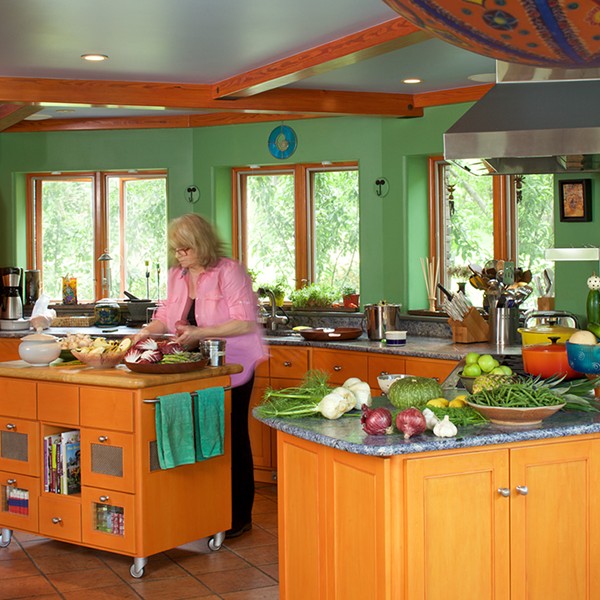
(381, 364)
(9, 349)
(510, 522)
(127, 503)
(340, 364)
(430, 367)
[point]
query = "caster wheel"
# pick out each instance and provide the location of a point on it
(137, 573)
(214, 544)
(4, 544)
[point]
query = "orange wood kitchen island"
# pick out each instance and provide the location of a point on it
(114, 411)
(493, 514)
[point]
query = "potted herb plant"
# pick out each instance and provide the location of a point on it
(314, 296)
(350, 297)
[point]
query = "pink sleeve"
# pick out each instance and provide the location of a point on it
(237, 289)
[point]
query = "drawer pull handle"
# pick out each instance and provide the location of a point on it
(56, 520)
(10, 426)
(104, 498)
(102, 438)
(504, 492)
(287, 363)
(383, 373)
(522, 489)
(11, 482)
(337, 368)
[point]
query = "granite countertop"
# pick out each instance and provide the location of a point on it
(119, 377)
(347, 434)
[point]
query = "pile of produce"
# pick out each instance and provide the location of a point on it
(479, 364)
(76, 341)
(100, 346)
(413, 391)
(150, 351)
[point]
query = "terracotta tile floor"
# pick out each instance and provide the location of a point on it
(245, 568)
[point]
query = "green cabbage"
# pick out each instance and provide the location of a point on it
(414, 391)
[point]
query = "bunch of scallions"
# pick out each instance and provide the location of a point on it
(303, 401)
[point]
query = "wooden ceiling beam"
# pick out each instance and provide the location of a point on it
(10, 114)
(455, 96)
(191, 96)
(368, 43)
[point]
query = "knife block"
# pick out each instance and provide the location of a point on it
(473, 328)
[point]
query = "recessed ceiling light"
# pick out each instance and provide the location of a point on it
(37, 117)
(411, 80)
(64, 110)
(483, 77)
(94, 57)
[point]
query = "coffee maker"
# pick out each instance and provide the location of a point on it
(12, 301)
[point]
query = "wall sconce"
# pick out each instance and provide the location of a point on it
(192, 194)
(382, 187)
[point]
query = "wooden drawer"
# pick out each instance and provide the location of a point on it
(107, 459)
(108, 520)
(18, 398)
(19, 501)
(262, 369)
(380, 364)
(340, 364)
(288, 362)
(9, 349)
(58, 403)
(60, 516)
(19, 446)
(430, 367)
(106, 407)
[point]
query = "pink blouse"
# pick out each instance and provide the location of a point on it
(223, 292)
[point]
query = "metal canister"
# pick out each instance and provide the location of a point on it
(215, 349)
(380, 318)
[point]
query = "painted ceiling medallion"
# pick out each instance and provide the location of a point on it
(541, 33)
(282, 142)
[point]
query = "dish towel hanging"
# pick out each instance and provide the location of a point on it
(175, 430)
(209, 422)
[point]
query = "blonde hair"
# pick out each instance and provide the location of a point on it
(192, 231)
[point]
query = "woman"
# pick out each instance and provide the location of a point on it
(211, 296)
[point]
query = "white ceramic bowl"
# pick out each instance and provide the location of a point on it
(385, 381)
(39, 349)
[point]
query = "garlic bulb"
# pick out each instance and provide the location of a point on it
(431, 419)
(445, 428)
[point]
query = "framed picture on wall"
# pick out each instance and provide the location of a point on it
(575, 200)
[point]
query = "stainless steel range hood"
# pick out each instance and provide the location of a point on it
(533, 126)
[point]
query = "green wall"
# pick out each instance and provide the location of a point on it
(394, 228)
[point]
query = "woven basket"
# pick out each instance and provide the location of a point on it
(74, 321)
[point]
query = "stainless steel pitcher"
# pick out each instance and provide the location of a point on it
(380, 318)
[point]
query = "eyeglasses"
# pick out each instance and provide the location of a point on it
(183, 251)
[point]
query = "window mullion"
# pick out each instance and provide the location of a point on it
(100, 227)
(304, 230)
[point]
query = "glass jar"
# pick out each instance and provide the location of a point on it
(107, 312)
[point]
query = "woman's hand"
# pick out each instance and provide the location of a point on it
(188, 336)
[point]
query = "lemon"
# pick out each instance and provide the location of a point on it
(438, 402)
(457, 403)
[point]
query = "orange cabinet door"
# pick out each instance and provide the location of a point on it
(60, 517)
(9, 349)
(261, 437)
(106, 407)
(340, 364)
(555, 532)
(58, 403)
(19, 443)
(18, 398)
(19, 501)
(430, 367)
(107, 519)
(455, 517)
(381, 364)
(107, 459)
(288, 362)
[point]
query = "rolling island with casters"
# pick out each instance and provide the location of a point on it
(494, 513)
(124, 503)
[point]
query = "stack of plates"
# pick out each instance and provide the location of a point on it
(14, 324)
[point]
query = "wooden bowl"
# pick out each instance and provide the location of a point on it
(516, 417)
(106, 360)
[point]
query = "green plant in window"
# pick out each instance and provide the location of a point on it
(314, 295)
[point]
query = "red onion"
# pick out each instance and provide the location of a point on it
(411, 421)
(376, 421)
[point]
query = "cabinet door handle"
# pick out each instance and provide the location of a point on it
(287, 363)
(104, 498)
(337, 368)
(10, 426)
(522, 489)
(383, 373)
(11, 482)
(56, 520)
(504, 492)
(102, 438)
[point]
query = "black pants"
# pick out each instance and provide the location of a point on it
(242, 467)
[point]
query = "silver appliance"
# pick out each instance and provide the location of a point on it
(380, 318)
(12, 301)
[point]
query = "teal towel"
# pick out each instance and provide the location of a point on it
(175, 430)
(209, 409)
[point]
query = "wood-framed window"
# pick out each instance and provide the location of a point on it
(75, 218)
(298, 224)
(479, 219)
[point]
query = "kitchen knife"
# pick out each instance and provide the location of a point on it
(446, 293)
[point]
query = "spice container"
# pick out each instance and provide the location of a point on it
(215, 349)
(107, 312)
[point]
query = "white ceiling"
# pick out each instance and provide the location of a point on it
(207, 41)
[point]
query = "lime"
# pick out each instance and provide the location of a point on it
(487, 362)
(471, 358)
(473, 370)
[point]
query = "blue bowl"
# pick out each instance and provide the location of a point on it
(584, 358)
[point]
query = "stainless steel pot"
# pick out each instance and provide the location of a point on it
(380, 318)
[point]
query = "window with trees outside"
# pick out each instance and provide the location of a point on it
(474, 220)
(76, 218)
(298, 224)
